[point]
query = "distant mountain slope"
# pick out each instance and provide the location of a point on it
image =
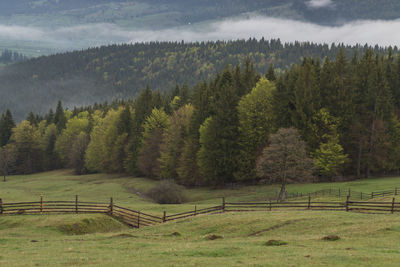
(99, 74)
(43, 27)
(168, 13)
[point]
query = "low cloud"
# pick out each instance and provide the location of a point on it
(383, 33)
(320, 3)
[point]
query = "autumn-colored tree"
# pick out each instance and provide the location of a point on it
(285, 160)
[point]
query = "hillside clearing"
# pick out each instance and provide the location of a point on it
(364, 240)
(277, 238)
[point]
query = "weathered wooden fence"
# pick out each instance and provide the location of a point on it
(138, 219)
(195, 212)
(340, 192)
(128, 216)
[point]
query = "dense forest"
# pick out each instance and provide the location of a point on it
(121, 71)
(172, 13)
(345, 110)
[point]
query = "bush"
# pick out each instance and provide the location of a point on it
(167, 192)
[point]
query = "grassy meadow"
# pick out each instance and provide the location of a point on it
(230, 239)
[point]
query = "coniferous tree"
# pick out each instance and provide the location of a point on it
(143, 107)
(271, 73)
(6, 126)
(59, 117)
(219, 135)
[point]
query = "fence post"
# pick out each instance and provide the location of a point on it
(76, 203)
(372, 195)
(1, 206)
(138, 220)
(349, 192)
(41, 203)
(223, 204)
(395, 191)
(270, 205)
(164, 216)
(111, 206)
(195, 210)
(347, 203)
(309, 201)
(393, 205)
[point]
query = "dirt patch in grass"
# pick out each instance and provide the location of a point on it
(175, 234)
(213, 237)
(331, 238)
(272, 243)
(274, 227)
(123, 236)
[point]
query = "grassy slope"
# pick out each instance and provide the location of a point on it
(367, 240)
(127, 191)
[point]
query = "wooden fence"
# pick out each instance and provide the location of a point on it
(128, 216)
(138, 219)
(339, 192)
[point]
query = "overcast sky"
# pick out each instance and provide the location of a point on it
(384, 33)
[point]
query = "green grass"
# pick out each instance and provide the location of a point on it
(365, 240)
(230, 239)
(130, 192)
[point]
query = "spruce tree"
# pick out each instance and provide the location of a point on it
(143, 107)
(271, 73)
(59, 117)
(6, 125)
(219, 135)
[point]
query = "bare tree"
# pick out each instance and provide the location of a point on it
(7, 161)
(285, 160)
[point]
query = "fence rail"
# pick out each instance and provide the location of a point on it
(138, 219)
(340, 192)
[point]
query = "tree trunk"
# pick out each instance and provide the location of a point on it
(282, 193)
(359, 160)
(371, 142)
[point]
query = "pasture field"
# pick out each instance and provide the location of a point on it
(229, 239)
(49, 240)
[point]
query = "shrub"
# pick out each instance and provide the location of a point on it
(167, 192)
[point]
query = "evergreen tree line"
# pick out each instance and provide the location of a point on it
(346, 111)
(8, 56)
(120, 71)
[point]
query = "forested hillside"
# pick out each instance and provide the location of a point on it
(171, 13)
(343, 113)
(119, 71)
